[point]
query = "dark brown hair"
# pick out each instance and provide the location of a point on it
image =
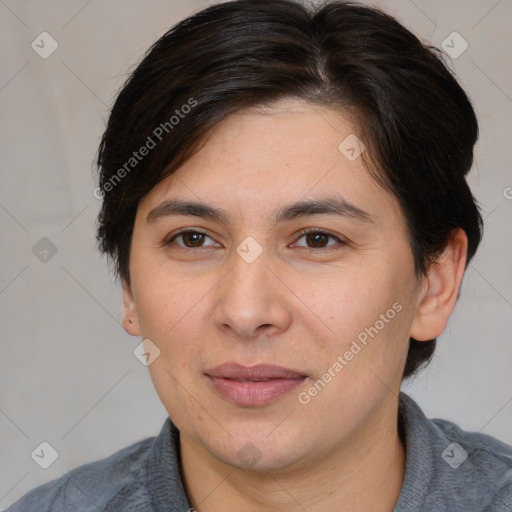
(416, 121)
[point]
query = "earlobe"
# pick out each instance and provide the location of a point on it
(130, 320)
(439, 295)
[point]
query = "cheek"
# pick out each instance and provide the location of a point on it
(174, 313)
(164, 299)
(345, 303)
(368, 317)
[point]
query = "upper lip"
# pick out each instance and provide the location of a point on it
(257, 372)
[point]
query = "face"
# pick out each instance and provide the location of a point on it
(275, 347)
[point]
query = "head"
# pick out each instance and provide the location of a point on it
(246, 109)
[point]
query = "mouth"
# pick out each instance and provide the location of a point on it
(255, 385)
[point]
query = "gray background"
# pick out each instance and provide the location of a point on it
(68, 375)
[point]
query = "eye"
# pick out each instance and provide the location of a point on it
(191, 239)
(318, 238)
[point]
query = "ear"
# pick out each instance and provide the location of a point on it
(130, 320)
(440, 289)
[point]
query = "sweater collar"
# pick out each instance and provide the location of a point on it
(167, 490)
(165, 482)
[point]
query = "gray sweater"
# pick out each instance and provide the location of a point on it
(447, 470)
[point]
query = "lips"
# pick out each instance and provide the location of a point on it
(255, 385)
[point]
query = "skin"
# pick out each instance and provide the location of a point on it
(299, 305)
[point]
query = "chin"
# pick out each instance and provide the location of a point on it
(259, 454)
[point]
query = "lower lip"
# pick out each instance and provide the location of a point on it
(254, 393)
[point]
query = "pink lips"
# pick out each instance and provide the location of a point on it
(255, 385)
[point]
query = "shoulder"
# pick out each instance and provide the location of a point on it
(485, 464)
(449, 467)
(91, 487)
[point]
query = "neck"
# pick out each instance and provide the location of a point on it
(364, 473)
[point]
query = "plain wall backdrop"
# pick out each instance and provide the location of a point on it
(68, 375)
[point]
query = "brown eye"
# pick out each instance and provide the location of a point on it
(316, 239)
(191, 239)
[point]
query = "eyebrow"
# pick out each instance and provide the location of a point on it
(328, 205)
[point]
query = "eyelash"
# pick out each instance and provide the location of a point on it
(301, 233)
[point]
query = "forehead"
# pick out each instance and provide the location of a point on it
(265, 156)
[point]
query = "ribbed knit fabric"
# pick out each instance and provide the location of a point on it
(481, 483)
(146, 476)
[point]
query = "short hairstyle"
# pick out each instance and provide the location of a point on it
(417, 123)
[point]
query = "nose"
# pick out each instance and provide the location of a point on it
(252, 301)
